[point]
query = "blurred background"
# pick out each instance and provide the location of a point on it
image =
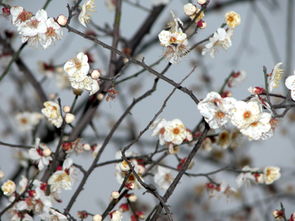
(264, 38)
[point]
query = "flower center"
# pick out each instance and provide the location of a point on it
(50, 32)
(247, 115)
(24, 16)
(78, 64)
(24, 120)
(168, 177)
(173, 40)
(220, 114)
(176, 130)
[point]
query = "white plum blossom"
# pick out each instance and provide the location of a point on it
(19, 15)
(216, 110)
(51, 111)
(8, 188)
(52, 34)
(84, 15)
(34, 27)
(290, 84)
(275, 76)
(77, 69)
(246, 113)
(236, 78)
(63, 178)
(191, 10)
(26, 121)
(173, 132)
(79, 65)
(271, 174)
(232, 19)
(220, 39)
(116, 215)
(257, 129)
(163, 178)
(41, 154)
(175, 41)
(56, 216)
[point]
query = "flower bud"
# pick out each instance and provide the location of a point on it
(100, 97)
(115, 195)
(66, 109)
(46, 152)
(97, 217)
(62, 20)
(69, 118)
(8, 187)
(95, 74)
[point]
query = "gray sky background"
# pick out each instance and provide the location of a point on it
(250, 48)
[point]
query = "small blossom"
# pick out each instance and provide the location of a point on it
(26, 121)
(116, 215)
(171, 131)
(220, 39)
(271, 174)
(275, 76)
(115, 195)
(52, 113)
(41, 154)
(84, 15)
(163, 178)
(174, 40)
(63, 178)
(52, 34)
(232, 19)
(19, 15)
(77, 67)
(246, 113)
(236, 78)
(192, 11)
(69, 118)
(97, 217)
(258, 128)
(216, 110)
(290, 84)
(62, 20)
(8, 188)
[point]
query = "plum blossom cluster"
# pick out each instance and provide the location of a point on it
(248, 117)
(254, 175)
(171, 133)
(52, 112)
(35, 29)
(32, 198)
(123, 170)
(174, 40)
(77, 69)
(222, 37)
